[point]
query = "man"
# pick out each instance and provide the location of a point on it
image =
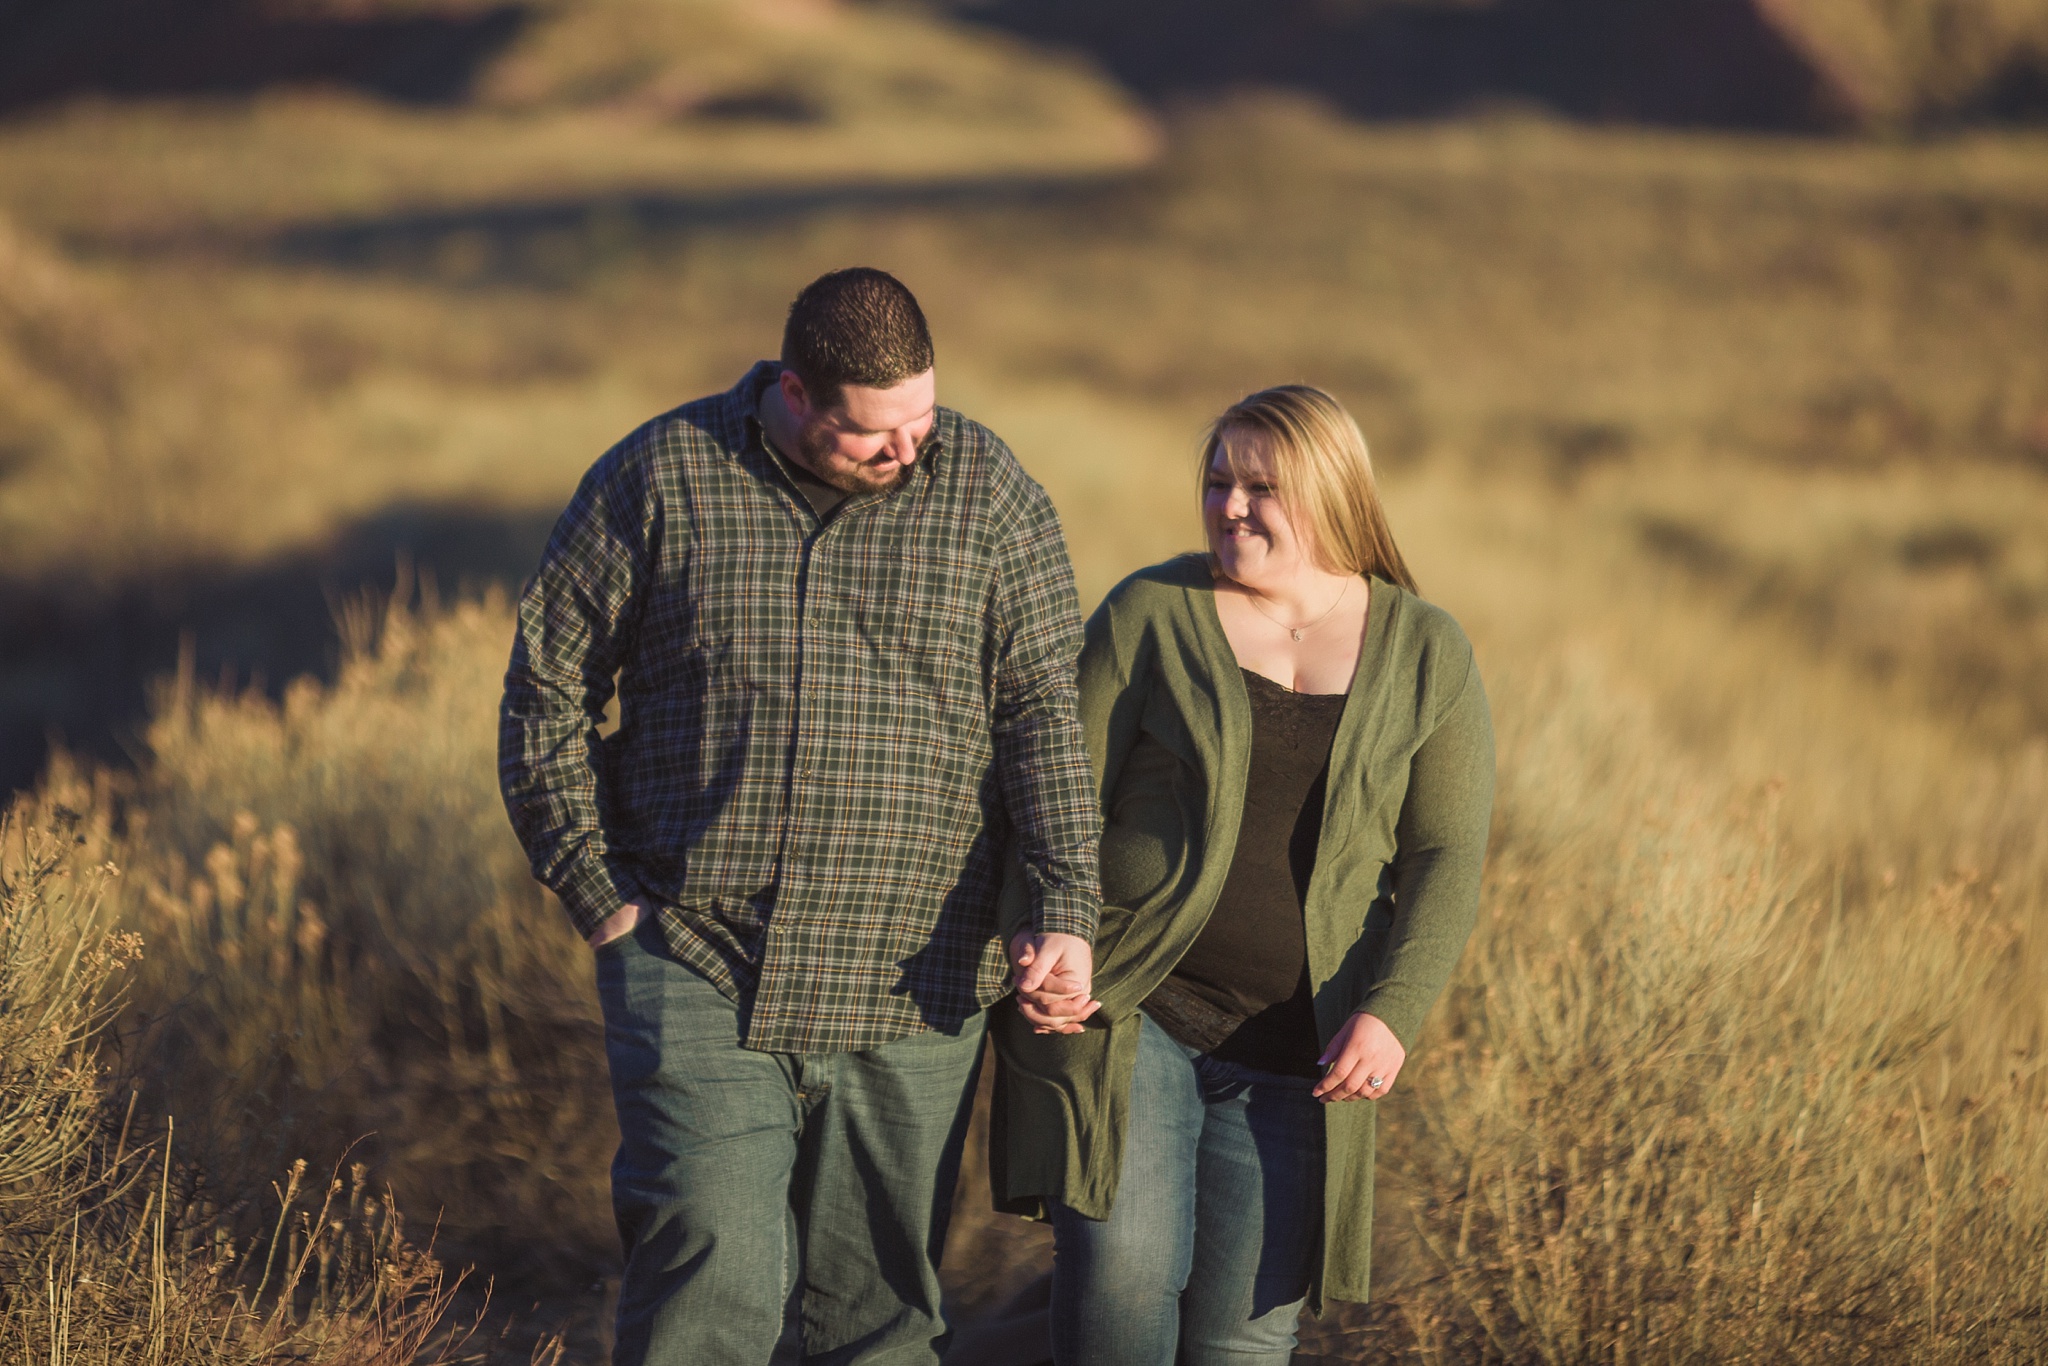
(843, 629)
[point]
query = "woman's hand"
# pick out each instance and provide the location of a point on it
(1362, 1060)
(1052, 973)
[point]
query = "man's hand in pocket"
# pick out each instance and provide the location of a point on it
(618, 924)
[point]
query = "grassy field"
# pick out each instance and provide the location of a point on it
(1731, 454)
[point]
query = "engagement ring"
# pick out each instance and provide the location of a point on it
(1375, 1083)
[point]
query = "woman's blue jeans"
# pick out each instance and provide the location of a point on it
(1206, 1255)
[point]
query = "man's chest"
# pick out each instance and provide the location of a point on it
(750, 582)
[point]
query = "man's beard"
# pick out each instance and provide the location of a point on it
(814, 451)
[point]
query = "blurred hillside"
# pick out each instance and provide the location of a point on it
(1786, 64)
(173, 168)
(1783, 64)
(588, 97)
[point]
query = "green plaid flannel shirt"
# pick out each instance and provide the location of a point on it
(829, 733)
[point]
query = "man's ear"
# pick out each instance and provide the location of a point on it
(793, 396)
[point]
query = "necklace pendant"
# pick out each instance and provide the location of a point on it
(1294, 631)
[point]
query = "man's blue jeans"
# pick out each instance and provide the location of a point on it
(753, 1185)
(1206, 1256)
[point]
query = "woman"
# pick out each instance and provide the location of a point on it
(1296, 768)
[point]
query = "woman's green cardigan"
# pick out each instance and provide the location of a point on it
(1390, 905)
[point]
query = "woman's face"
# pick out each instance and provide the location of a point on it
(1249, 532)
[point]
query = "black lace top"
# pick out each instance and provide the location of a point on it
(1241, 992)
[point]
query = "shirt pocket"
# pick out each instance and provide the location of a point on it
(925, 660)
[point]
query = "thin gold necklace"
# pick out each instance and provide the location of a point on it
(1252, 597)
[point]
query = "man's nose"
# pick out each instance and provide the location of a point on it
(902, 446)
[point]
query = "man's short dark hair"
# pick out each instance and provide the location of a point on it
(857, 326)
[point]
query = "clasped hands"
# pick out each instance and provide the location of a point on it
(1053, 975)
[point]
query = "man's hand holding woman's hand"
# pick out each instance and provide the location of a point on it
(1052, 974)
(1361, 1062)
(618, 924)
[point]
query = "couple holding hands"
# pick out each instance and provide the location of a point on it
(1198, 869)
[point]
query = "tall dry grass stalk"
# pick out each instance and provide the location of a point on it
(346, 943)
(1689, 1106)
(59, 967)
(112, 1247)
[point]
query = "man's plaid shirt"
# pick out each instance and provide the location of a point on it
(829, 733)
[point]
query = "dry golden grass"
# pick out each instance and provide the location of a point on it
(114, 1247)
(1713, 1089)
(1732, 455)
(391, 971)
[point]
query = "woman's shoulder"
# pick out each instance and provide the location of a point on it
(1158, 588)
(1430, 639)
(1426, 622)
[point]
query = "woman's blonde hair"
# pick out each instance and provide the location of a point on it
(1319, 469)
